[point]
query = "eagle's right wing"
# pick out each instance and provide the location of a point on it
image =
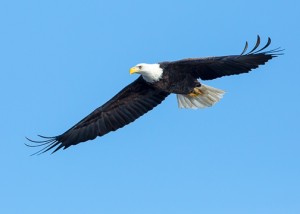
(129, 104)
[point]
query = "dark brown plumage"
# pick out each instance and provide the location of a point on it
(132, 102)
(140, 96)
(209, 68)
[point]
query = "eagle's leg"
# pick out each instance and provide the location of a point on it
(196, 92)
(200, 97)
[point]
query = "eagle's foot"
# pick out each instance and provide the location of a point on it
(196, 92)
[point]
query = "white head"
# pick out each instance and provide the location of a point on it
(150, 72)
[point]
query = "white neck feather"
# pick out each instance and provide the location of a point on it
(151, 72)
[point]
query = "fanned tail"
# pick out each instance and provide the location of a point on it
(208, 97)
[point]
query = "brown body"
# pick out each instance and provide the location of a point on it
(139, 97)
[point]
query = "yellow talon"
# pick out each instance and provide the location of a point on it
(193, 94)
(196, 92)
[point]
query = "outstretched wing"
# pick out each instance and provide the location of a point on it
(129, 104)
(214, 67)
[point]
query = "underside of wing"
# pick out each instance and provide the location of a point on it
(129, 104)
(214, 67)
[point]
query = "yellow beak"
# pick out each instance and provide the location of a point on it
(133, 70)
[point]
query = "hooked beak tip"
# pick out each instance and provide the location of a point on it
(133, 70)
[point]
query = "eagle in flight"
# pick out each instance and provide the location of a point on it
(155, 83)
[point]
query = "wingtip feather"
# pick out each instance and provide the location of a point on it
(47, 144)
(274, 52)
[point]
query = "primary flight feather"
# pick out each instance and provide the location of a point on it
(155, 83)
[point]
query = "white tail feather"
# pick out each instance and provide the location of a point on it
(209, 97)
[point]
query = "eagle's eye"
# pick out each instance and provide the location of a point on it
(140, 67)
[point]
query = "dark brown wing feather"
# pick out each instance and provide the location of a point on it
(130, 103)
(214, 67)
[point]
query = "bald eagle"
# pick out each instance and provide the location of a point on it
(155, 83)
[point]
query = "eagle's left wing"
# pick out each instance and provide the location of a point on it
(214, 67)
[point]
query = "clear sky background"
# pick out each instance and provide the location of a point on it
(59, 60)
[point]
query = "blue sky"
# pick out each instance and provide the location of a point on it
(62, 59)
